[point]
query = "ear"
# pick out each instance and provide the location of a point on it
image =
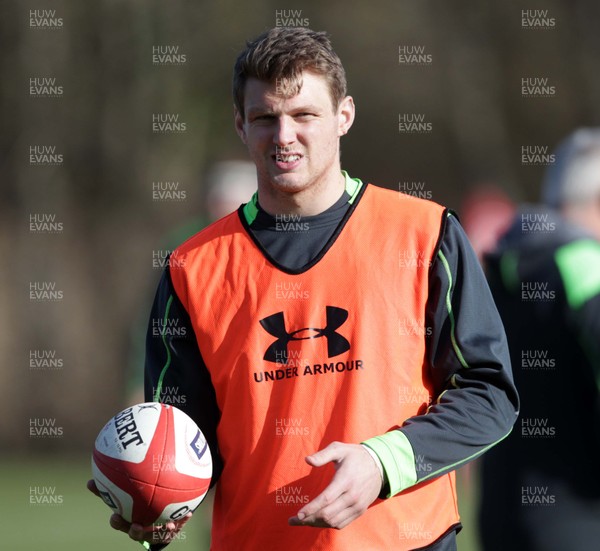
(345, 114)
(239, 124)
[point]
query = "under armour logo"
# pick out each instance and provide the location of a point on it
(278, 350)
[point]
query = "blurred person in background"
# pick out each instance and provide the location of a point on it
(540, 489)
(486, 212)
(485, 215)
(228, 185)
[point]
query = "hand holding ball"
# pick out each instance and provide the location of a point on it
(151, 464)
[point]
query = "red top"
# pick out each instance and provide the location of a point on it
(301, 360)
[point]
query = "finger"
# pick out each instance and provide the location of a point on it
(137, 532)
(181, 522)
(158, 527)
(165, 533)
(338, 515)
(343, 519)
(328, 512)
(336, 523)
(174, 525)
(343, 516)
(119, 523)
(343, 522)
(161, 533)
(330, 500)
(91, 486)
(295, 521)
(332, 452)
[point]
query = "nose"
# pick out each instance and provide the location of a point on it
(284, 133)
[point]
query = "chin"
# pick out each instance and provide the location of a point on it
(288, 185)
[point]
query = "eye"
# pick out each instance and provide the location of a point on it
(262, 118)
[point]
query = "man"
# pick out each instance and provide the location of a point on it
(337, 359)
(540, 489)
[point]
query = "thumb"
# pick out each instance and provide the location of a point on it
(332, 452)
(91, 486)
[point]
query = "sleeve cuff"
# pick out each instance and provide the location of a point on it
(397, 457)
(377, 462)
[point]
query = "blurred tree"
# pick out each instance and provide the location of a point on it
(102, 191)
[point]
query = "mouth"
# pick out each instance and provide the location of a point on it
(287, 161)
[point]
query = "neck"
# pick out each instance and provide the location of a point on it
(310, 201)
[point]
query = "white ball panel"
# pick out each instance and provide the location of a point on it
(118, 500)
(175, 511)
(192, 454)
(128, 434)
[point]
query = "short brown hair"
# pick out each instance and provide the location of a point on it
(282, 53)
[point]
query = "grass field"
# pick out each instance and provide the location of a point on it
(67, 516)
(44, 504)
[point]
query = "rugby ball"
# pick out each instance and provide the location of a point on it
(151, 464)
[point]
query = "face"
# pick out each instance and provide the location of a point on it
(294, 142)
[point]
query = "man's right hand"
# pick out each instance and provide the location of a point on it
(153, 534)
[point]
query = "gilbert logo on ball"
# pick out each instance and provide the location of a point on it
(151, 464)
